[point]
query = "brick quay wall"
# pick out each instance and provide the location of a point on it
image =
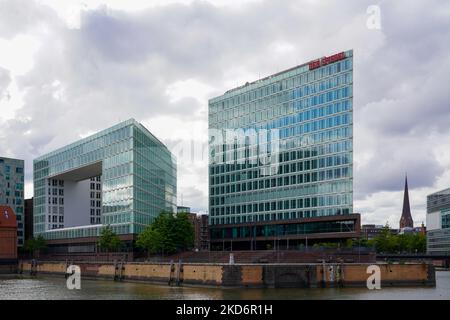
(243, 275)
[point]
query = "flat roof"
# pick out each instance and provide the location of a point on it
(348, 53)
(13, 159)
(106, 131)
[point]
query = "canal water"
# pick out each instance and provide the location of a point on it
(50, 288)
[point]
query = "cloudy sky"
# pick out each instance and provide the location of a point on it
(71, 68)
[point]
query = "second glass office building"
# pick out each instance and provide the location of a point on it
(305, 116)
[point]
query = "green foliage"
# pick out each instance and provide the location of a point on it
(169, 233)
(109, 240)
(333, 245)
(183, 232)
(363, 243)
(387, 242)
(35, 244)
(349, 243)
(151, 240)
(419, 243)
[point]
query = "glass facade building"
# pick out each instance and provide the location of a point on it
(12, 191)
(122, 176)
(438, 222)
(302, 120)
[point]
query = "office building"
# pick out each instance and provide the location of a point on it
(438, 222)
(123, 177)
(12, 191)
(281, 158)
(182, 209)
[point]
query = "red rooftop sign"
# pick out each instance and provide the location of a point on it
(326, 60)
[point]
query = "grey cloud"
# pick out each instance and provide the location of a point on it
(391, 158)
(119, 64)
(5, 80)
(23, 16)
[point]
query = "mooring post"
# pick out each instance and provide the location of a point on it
(179, 271)
(115, 270)
(171, 271)
(324, 274)
(66, 275)
(21, 267)
(33, 269)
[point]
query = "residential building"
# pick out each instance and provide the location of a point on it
(8, 234)
(201, 230)
(203, 241)
(371, 231)
(12, 191)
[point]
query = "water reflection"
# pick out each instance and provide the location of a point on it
(51, 288)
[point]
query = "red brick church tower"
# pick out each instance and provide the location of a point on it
(406, 219)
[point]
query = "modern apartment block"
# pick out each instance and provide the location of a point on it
(12, 191)
(122, 176)
(438, 222)
(281, 159)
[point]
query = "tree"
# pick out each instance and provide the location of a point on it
(109, 240)
(384, 242)
(387, 242)
(419, 243)
(349, 243)
(151, 240)
(35, 245)
(183, 232)
(169, 233)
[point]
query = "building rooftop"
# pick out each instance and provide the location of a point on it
(12, 159)
(89, 138)
(298, 69)
(442, 192)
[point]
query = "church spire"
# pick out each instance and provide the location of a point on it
(406, 219)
